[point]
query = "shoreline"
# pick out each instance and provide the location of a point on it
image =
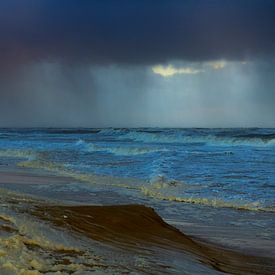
(130, 227)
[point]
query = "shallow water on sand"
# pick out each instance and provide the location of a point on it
(43, 237)
(49, 237)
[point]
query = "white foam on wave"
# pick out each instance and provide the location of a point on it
(161, 188)
(119, 150)
(112, 131)
(18, 153)
(80, 142)
(125, 151)
(208, 139)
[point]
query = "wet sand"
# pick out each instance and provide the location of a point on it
(21, 177)
(137, 227)
(134, 228)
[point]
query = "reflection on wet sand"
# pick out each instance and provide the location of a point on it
(46, 236)
(139, 228)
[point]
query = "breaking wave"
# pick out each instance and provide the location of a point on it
(124, 151)
(18, 153)
(114, 131)
(159, 191)
(248, 140)
(118, 150)
(158, 187)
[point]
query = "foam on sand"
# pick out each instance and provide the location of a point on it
(25, 251)
(30, 246)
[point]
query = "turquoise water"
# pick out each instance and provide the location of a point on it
(215, 167)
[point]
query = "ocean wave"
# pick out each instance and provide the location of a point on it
(114, 131)
(73, 131)
(161, 182)
(159, 191)
(177, 137)
(18, 153)
(80, 142)
(28, 155)
(119, 150)
(124, 151)
(157, 188)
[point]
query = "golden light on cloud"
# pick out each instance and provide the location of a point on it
(217, 65)
(168, 71)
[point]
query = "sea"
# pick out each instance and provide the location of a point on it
(216, 185)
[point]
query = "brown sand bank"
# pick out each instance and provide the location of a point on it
(139, 227)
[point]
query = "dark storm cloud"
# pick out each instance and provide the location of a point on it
(136, 31)
(89, 63)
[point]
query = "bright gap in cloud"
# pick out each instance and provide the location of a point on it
(170, 70)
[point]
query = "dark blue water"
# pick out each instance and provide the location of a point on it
(216, 167)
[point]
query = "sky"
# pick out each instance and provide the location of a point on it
(138, 63)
